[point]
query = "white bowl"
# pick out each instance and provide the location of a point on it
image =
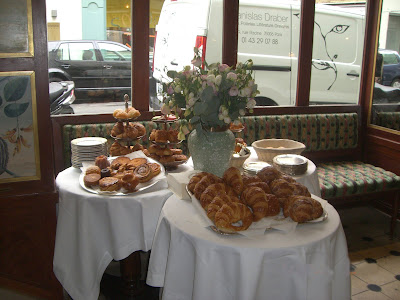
(237, 161)
(267, 149)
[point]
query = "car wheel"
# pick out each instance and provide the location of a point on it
(396, 83)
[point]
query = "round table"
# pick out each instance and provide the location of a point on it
(192, 262)
(93, 229)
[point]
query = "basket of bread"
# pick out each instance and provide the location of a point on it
(235, 201)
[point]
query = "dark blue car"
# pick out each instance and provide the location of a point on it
(391, 68)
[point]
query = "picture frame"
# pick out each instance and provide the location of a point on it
(19, 139)
(16, 22)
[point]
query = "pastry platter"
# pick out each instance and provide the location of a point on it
(122, 192)
(264, 224)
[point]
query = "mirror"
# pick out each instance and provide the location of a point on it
(385, 106)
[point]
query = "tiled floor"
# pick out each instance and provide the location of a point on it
(375, 259)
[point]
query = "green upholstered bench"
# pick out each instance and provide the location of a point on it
(339, 181)
(388, 119)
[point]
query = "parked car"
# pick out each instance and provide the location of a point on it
(98, 68)
(391, 68)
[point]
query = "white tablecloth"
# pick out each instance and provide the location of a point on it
(92, 230)
(192, 262)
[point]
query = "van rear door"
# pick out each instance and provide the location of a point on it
(181, 21)
(265, 36)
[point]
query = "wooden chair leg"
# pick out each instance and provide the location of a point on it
(130, 273)
(395, 209)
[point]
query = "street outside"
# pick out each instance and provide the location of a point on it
(100, 107)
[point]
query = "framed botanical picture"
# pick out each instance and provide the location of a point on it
(16, 34)
(19, 143)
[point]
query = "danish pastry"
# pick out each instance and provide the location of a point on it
(91, 179)
(269, 174)
(102, 162)
(143, 172)
(119, 161)
(110, 184)
(93, 170)
(231, 213)
(129, 182)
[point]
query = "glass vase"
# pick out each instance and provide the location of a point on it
(211, 150)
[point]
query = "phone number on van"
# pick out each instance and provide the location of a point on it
(266, 41)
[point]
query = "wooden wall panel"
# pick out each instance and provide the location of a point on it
(27, 238)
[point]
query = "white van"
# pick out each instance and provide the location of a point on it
(269, 35)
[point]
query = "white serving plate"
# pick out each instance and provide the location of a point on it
(122, 192)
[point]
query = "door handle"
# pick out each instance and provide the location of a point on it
(174, 63)
(65, 66)
(108, 67)
(353, 74)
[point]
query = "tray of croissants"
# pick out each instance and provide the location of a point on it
(234, 202)
(121, 175)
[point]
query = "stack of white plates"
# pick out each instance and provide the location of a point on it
(87, 149)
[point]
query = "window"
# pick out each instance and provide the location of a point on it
(111, 52)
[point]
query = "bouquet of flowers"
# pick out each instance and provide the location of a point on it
(212, 96)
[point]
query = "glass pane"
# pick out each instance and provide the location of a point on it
(337, 53)
(269, 35)
(91, 49)
(385, 108)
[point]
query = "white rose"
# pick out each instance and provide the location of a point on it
(242, 112)
(211, 78)
(220, 117)
(227, 120)
(218, 79)
(251, 103)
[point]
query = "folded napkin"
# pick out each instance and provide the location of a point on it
(177, 182)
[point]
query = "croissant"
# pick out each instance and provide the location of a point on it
(302, 209)
(249, 179)
(300, 190)
(230, 213)
(194, 180)
(281, 188)
(263, 185)
(233, 178)
(117, 129)
(204, 182)
(214, 190)
(216, 203)
(269, 174)
(256, 198)
(274, 206)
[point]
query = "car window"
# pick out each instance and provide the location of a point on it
(113, 52)
(390, 59)
(63, 52)
(79, 51)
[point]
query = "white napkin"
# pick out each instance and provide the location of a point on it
(177, 183)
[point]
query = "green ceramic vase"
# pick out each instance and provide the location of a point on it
(211, 151)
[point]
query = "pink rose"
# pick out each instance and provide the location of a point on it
(234, 91)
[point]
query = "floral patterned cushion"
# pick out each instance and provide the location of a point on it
(317, 131)
(388, 119)
(339, 179)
